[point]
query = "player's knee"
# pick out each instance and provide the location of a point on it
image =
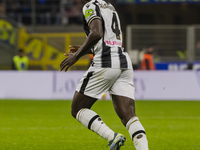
(125, 119)
(73, 112)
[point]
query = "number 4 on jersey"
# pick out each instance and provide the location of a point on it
(115, 26)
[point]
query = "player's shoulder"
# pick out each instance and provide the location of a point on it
(88, 4)
(25, 57)
(89, 7)
(93, 3)
(15, 57)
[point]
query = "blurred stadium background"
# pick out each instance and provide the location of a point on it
(46, 28)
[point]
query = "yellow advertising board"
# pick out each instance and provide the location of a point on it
(7, 32)
(46, 49)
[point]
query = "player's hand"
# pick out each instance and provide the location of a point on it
(73, 48)
(69, 61)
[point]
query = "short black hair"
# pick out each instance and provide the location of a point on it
(20, 50)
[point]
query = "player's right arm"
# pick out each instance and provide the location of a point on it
(94, 23)
(96, 33)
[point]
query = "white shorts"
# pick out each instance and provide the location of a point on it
(97, 81)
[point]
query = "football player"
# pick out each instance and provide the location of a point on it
(110, 71)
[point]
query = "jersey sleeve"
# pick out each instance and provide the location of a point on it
(90, 13)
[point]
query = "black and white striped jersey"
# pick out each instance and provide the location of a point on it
(108, 52)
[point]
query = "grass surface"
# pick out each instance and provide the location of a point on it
(48, 125)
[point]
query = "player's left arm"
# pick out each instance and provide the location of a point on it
(96, 33)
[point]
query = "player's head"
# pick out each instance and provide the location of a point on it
(150, 49)
(21, 52)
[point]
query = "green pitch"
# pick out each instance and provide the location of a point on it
(48, 125)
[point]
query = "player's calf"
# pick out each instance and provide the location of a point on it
(137, 133)
(93, 122)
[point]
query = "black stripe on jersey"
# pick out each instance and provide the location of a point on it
(99, 14)
(106, 52)
(122, 59)
(106, 56)
(97, 8)
(92, 120)
(85, 82)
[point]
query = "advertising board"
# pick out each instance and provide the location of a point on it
(53, 85)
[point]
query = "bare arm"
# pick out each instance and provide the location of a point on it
(96, 33)
(74, 49)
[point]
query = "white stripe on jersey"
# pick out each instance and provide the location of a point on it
(108, 52)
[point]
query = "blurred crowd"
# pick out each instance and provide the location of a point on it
(72, 11)
(44, 12)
